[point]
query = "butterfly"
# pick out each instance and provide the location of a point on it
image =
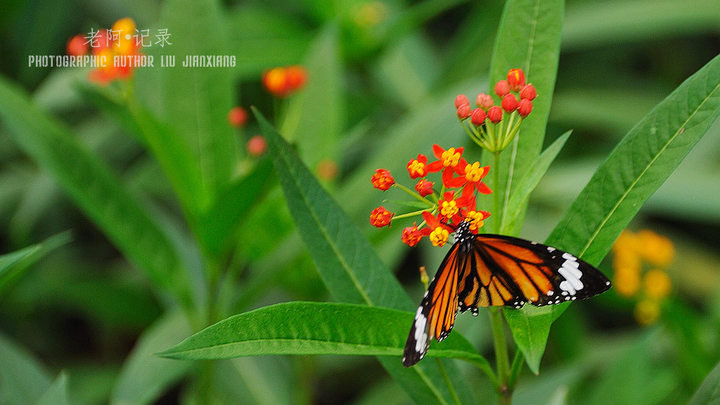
(494, 270)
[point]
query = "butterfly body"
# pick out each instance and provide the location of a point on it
(495, 270)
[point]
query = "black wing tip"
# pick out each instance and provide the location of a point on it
(411, 358)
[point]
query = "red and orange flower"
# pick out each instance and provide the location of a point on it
(454, 203)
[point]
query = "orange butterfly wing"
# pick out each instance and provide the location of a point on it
(435, 316)
(532, 272)
(495, 270)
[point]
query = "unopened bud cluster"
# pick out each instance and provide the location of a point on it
(516, 99)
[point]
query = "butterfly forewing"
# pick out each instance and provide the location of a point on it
(435, 316)
(495, 270)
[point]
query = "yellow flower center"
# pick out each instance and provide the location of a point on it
(476, 220)
(448, 208)
(473, 173)
(417, 168)
(450, 157)
(439, 236)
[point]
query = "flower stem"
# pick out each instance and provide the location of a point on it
(496, 199)
(502, 359)
(409, 214)
(501, 356)
(414, 194)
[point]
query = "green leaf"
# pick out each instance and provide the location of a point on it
(169, 148)
(196, 100)
(22, 379)
(638, 166)
(510, 224)
(96, 190)
(233, 204)
(529, 328)
(176, 159)
(314, 118)
(13, 265)
(347, 263)
(314, 328)
(709, 390)
(57, 394)
(143, 376)
(528, 38)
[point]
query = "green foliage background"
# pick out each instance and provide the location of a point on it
(146, 258)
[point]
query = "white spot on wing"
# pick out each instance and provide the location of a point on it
(420, 335)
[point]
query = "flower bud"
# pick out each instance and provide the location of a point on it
(237, 117)
(257, 145)
(528, 92)
(382, 180)
(411, 235)
(327, 169)
(524, 107)
(380, 217)
(509, 103)
(477, 117)
(461, 100)
(502, 88)
(77, 46)
(275, 81)
(494, 114)
(516, 79)
(424, 187)
(484, 101)
(295, 77)
(463, 111)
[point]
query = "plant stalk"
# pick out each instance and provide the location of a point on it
(502, 359)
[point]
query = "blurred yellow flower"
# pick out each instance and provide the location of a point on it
(627, 281)
(647, 311)
(657, 284)
(654, 248)
(370, 14)
(630, 252)
(124, 32)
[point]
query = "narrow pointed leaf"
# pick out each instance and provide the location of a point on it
(314, 328)
(57, 394)
(521, 195)
(23, 380)
(638, 166)
(14, 264)
(196, 100)
(316, 137)
(709, 390)
(144, 377)
(347, 263)
(95, 189)
(233, 203)
(529, 39)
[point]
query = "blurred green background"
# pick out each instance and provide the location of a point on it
(382, 78)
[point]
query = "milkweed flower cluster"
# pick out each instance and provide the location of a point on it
(492, 126)
(284, 81)
(120, 41)
(445, 203)
(634, 251)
